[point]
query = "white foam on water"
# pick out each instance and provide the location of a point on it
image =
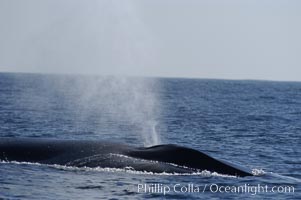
(128, 169)
(258, 172)
(261, 172)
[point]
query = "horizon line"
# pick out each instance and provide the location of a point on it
(158, 76)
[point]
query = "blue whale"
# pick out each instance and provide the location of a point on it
(167, 158)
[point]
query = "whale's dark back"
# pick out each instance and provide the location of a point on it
(53, 151)
(169, 158)
(187, 157)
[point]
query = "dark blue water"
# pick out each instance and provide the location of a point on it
(255, 124)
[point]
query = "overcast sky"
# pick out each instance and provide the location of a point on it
(258, 39)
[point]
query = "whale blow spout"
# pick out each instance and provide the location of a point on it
(79, 153)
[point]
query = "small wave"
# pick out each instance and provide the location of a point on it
(267, 97)
(88, 187)
(286, 177)
(128, 169)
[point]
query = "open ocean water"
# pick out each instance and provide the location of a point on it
(255, 124)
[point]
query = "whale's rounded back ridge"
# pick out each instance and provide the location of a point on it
(160, 158)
